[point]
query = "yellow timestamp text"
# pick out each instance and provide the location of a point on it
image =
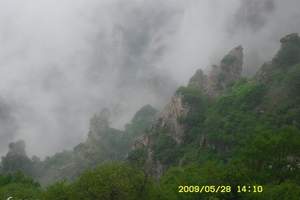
(204, 189)
(249, 188)
(220, 189)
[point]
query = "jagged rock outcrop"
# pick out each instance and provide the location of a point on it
(286, 57)
(141, 142)
(229, 70)
(170, 116)
(169, 120)
(99, 124)
(293, 37)
(16, 159)
(263, 75)
(289, 53)
(199, 80)
(213, 84)
(220, 76)
(17, 148)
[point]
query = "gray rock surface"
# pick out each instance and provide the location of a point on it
(219, 76)
(170, 117)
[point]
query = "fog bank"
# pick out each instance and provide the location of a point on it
(62, 61)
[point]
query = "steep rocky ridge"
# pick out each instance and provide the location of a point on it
(212, 85)
(170, 119)
(215, 114)
(235, 107)
(220, 76)
(287, 56)
(103, 144)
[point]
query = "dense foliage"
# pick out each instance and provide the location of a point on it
(249, 135)
(109, 181)
(18, 186)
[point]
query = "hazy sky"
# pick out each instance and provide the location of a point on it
(61, 61)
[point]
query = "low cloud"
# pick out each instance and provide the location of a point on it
(62, 61)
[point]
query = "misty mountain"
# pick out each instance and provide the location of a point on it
(62, 62)
(222, 112)
(213, 117)
(137, 99)
(103, 144)
(8, 124)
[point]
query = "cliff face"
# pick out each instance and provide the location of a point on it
(99, 125)
(170, 118)
(233, 106)
(210, 115)
(200, 81)
(212, 85)
(226, 73)
(220, 76)
(287, 56)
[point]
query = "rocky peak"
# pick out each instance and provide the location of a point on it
(293, 37)
(169, 118)
(287, 56)
(289, 53)
(199, 80)
(99, 124)
(220, 76)
(17, 148)
(233, 61)
(213, 84)
(229, 70)
(16, 159)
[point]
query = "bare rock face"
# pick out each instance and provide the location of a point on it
(229, 70)
(263, 74)
(289, 52)
(220, 76)
(232, 65)
(141, 142)
(169, 118)
(287, 56)
(199, 80)
(99, 124)
(214, 84)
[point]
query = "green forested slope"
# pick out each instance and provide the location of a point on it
(248, 134)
